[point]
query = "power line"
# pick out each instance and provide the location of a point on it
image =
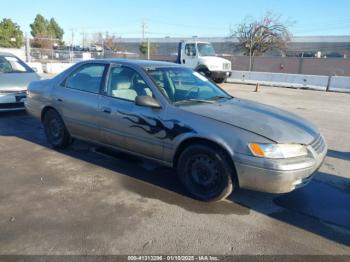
(202, 26)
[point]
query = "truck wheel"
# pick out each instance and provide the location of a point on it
(55, 130)
(206, 172)
(220, 80)
(204, 71)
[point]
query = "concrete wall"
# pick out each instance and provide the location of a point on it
(294, 65)
(38, 67)
(335, 83)
(56, 68)
(340, 84)
(287, 65)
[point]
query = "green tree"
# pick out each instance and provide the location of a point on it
(143, 48)
(10, 34)
(54, 30)
(46, 32)
(39, 26)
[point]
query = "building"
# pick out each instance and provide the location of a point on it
(305, 46)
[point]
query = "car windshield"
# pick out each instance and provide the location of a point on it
(182, 86)
(205, 49)
(11, 64)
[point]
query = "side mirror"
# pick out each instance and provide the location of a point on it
(147, 101)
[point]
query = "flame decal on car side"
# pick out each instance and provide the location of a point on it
(145, 123)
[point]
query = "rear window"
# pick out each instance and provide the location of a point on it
(11, 64)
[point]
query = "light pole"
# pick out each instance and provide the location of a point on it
(250, 52)
(148, 49)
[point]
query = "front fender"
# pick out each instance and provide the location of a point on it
(172, 152)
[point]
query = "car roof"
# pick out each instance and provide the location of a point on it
(5, 54)
(140, 63)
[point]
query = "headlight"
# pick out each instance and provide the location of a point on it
(278, 150)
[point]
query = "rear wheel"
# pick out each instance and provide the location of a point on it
(206, 172)
(55, 130)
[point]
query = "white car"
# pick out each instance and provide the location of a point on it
(15, 76)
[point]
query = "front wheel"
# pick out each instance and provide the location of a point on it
(55, 130)
(206, 172)
(220, 80)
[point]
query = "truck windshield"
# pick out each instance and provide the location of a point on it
(184, 86)
(205, 49)
(11, 64)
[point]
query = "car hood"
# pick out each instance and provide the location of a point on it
(16, 81)
(270, 122)
(213, 59)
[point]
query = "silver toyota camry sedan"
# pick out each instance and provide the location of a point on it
(177, 117)
(15, 76)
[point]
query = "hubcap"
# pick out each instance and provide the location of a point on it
(55, 128)
(204, 171)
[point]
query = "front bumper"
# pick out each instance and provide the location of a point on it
(279, 176)
(220, 74)
(12, 101)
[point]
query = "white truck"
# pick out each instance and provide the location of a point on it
(201, 57)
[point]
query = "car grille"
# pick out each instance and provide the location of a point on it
(227, 66)
(318, 144)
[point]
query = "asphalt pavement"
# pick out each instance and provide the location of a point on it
(90, 200)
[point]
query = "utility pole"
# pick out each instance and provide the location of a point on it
(143, 25)
(103, 45)
(148, 50)
(71, 49)
(251, 53)
(51, 42)
(27, 48)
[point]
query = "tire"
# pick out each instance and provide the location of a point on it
(204, 71)
(55, 130)
(220, 80)
(206, 172)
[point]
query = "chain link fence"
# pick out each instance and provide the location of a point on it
(166, 52)
(72, 56)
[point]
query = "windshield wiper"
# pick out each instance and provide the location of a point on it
(194, 100)
(218, 97)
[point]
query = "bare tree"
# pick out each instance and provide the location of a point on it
(259, 36)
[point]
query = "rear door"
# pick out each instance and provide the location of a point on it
(77, 99)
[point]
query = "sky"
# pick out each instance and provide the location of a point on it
(180, 18)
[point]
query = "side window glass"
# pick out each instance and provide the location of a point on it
(187, 50)
(190, 50)
(194, 53)
(87, 79)
(126, 83)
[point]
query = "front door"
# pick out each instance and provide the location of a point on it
(126, 125)
(190, 56)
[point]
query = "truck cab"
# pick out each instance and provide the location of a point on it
(201, 57)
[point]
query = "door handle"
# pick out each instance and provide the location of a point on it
(59, 100)
(183, 61)
(106, 110)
